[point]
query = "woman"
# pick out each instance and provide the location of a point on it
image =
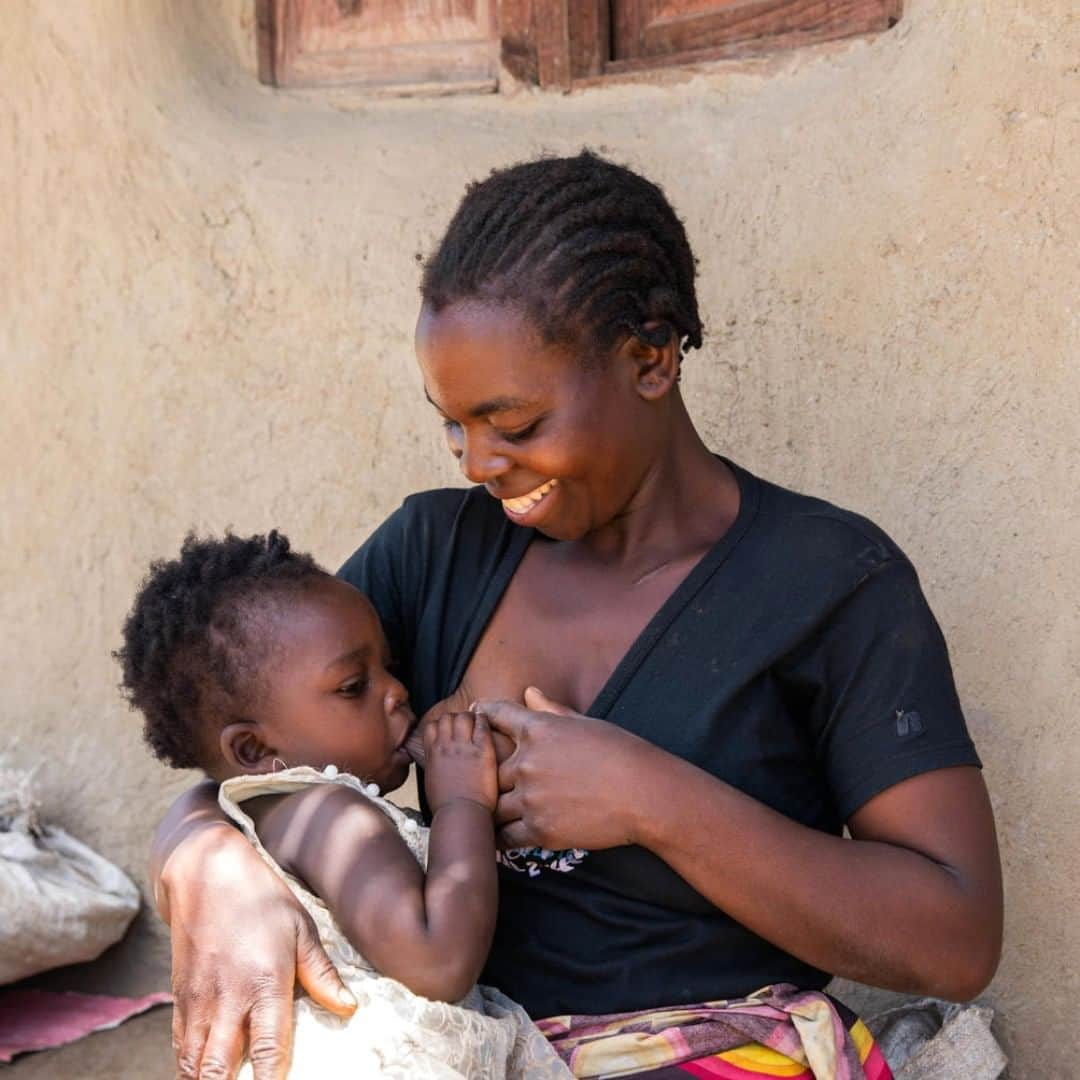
(730, 673)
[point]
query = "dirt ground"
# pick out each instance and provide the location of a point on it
(137, 1050)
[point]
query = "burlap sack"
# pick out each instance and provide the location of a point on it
(60, 902)
(936, 1040)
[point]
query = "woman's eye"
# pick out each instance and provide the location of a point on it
(451, 425)
(521, 434)
(353, 688)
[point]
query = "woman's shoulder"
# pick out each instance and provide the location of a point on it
(446, 539)
(441, 507)
(810, 545)
(424, 520)
(434, 513)
(816, 525)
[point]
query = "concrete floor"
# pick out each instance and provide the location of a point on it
(137, 1050)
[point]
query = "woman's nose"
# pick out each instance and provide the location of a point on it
(479, 462)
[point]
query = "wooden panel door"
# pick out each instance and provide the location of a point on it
(439, 44)
(648, 31)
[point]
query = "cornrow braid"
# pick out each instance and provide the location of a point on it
(588, 249)
(190, 647)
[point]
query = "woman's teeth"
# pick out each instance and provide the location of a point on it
(524, 503)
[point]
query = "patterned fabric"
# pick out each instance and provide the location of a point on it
(534, 859)
(778, 1031)
(394, 1033)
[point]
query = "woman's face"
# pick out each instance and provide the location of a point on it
(564, 445)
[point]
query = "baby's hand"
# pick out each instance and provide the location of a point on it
(460, 761)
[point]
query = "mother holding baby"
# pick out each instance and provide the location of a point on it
(701, 678)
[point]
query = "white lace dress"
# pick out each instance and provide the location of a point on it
(394, 1032)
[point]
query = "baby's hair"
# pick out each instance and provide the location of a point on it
(192, 644)
(590, 250)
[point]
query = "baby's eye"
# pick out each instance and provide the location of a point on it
(354, 687)
(451, 425)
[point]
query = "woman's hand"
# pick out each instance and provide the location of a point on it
(239, 942)
(571, 779)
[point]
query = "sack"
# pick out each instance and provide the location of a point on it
(936, 1040)
(60, 902)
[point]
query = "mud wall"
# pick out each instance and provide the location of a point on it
(209, 290)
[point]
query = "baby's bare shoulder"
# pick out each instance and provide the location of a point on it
(320, 818)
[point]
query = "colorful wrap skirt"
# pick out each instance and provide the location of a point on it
(777, 1031)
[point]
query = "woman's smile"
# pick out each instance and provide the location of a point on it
(522, 506)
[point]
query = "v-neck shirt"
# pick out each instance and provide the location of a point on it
(798, 661)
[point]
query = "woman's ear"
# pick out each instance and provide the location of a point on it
(244, 748)
(655, 359)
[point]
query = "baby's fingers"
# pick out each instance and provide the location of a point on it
(439, 731)
(481, 734)
(429, 732)
(464, 726)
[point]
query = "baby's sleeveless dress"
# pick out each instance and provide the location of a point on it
(394, 1032)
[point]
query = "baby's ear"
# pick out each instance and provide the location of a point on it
(244, 748)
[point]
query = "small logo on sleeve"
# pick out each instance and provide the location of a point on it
(908, 724)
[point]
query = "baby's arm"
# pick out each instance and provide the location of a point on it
(431, 933)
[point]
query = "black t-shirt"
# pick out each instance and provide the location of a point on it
(798, 662)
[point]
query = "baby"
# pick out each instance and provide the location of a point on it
(249, 661)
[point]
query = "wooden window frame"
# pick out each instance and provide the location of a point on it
(299, 48)
(567, 44)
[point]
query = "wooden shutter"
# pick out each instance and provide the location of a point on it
(441, 44)
(648, 32)
(553, 42)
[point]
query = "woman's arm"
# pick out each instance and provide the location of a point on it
(913, 902)
(195, 811)
(431, 932)
(240, 941)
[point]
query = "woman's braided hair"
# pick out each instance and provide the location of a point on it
(589, 249)
(192, 647)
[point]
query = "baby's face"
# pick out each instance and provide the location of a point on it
(328, 696)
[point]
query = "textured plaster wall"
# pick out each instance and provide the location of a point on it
(208, 293)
